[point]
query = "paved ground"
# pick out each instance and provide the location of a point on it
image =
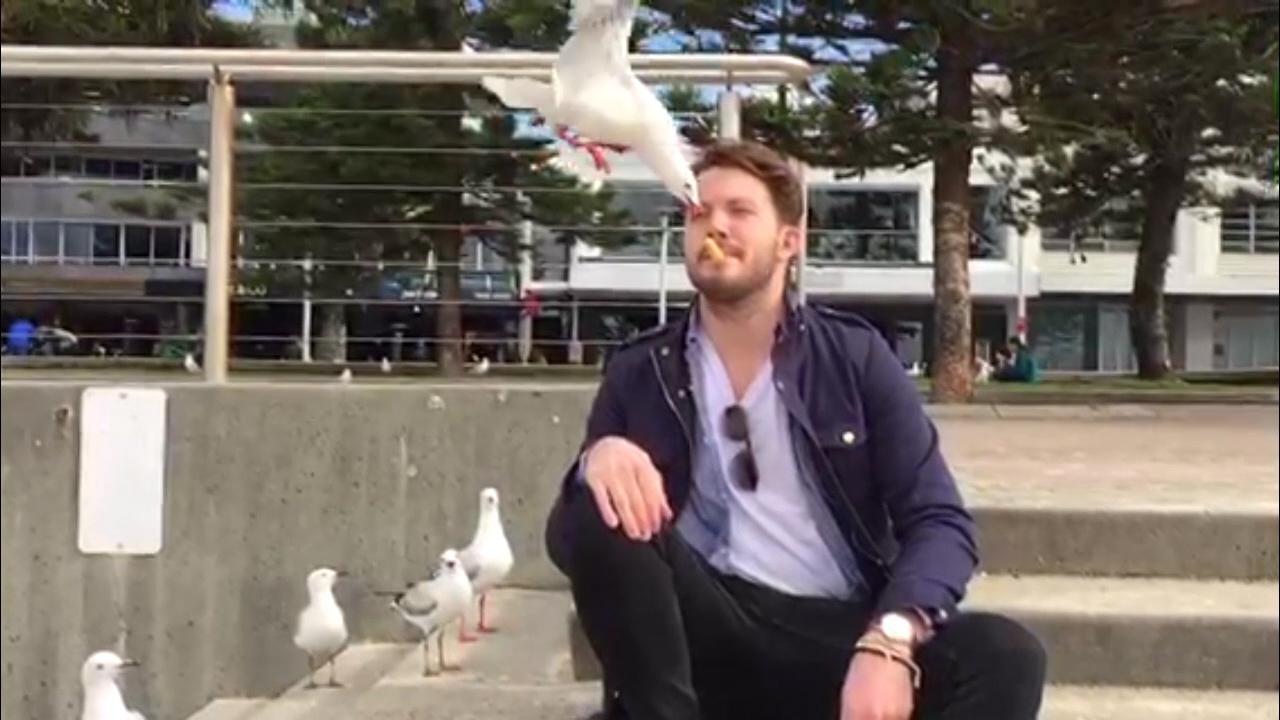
(1203, 458)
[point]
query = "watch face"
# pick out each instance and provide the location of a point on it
(897, 628)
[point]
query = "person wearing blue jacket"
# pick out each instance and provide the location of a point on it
(760, 522)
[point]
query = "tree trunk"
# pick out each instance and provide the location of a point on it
(449, 311)
(333, 332)
(1148, 330)
(951, 369)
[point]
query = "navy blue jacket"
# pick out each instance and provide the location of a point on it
(853, 409)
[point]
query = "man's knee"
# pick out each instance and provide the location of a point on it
(1006, 645)
(593, 547)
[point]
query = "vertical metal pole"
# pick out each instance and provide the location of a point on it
(525, 326)
(1021, 326)
(730, 111)
(306, 310)
(217, 275)
(1253, 227)
(802, 256)
(663, 245)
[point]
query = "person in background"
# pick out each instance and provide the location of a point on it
(1016, 363)
(21, 337)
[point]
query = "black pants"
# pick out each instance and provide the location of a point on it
(679, 641)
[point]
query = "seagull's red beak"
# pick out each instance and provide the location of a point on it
(692, 210)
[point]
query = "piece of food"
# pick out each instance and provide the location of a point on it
(713, 248)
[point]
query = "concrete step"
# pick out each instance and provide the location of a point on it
(1123, 631)
(1076, 702)
(524, 671)
(450, 699)
(1154, 541)
(1146, 631)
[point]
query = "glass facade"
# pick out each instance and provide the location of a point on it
(57, 242)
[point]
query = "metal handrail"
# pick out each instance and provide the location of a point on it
(171, 63)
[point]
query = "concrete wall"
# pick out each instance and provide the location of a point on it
(263, 483)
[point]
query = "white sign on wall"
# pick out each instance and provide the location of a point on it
(122, 452)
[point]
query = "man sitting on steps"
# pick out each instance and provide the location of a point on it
(761, 523)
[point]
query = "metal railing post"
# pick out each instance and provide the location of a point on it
(217, 276)
(730, 115)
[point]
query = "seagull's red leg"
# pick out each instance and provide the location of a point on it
(597, 155)
(463, 637)
(563, 132)
(482, 626)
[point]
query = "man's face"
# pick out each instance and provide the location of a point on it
(738, 214)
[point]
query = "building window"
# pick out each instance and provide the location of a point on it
(97, 168)
(1060, 336)
(849, 226)
(9, 240)
(1117, 227)
(986, 234)
(168, 245)
(137, 245)
(94, 243)
(47, 241)
(106, 244)
(1244, 339)
(77, 241)
(1251, 228)
(641, 207)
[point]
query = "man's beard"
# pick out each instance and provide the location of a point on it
(733, 290)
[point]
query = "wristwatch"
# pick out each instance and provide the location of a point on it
(897, 628)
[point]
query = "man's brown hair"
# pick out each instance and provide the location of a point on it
(765, 165)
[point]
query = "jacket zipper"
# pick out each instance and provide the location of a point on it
(666, 393)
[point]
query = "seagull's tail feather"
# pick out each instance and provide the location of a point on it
(521, 93)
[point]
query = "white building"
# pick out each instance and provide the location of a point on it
(870, 248)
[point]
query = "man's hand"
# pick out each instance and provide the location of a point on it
(627, 487)
(876, 688)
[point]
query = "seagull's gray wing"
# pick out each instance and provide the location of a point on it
(419, 599)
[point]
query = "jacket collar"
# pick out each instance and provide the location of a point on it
(789, 329)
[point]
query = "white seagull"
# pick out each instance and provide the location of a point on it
(488, 558)
(190, 364)
(435, 602)
(102, 698)
(322, 627)
(596, 102)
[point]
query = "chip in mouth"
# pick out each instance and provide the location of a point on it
(713, 248)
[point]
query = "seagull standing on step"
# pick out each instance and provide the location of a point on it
(345, 376)
(596, 102)
(433, 603)
(99, 677)
(190, 364)
(487, 559)
(481, 367)
(322, 627)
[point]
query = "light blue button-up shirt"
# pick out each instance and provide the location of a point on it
(782, 534)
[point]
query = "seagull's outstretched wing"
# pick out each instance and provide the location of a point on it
(521, 93)
(588, 13)
(601, 30)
